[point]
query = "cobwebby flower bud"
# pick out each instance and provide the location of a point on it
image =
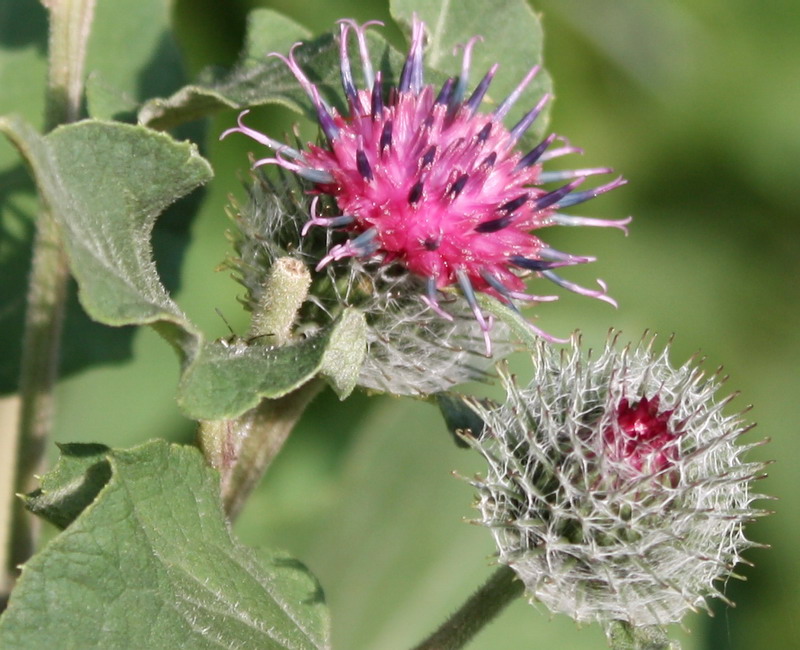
(615, 488)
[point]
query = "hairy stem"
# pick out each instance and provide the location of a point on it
(70, 22)
(481, 608)
(242, 448)
(253, 440)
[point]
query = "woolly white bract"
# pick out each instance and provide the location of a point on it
(640, 536)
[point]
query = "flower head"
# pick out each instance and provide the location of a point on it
(421, 176)
(410, 349)
(615, 488)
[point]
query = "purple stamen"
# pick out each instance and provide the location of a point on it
(551, 198)
(363, 166)
(534, 264)
(366, 64)
(500, 111)
(386, 137)
(514, 204)
(323, 111)
(580, 197)
(493, 225)
(376, 108)
(415, 194)
(536, 154)
(469, 294)
(326, 123)
(427, 158)
(457, 187)
(411, 77)
(347, 75)
(549, 177)
(477, 95)
(446, 93)
(529, 118)
(583, 291)
(559, 219)
(484, 133)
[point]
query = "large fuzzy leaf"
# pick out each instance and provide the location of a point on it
(227, 379)
(150, 563)
(262, 79)
(105, 183)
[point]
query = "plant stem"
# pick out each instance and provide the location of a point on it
(242, 448)
(253, 440)
(483, 606)
(70, 25)
(70, 22)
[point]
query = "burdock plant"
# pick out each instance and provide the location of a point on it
(391, 253)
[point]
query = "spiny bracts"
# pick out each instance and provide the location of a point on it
(615, 488)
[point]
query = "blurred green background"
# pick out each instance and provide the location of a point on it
(696, 103)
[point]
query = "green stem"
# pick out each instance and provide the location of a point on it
(70, 22)
(70, 25)
(241, 449)
(252, 441)
(481, 608)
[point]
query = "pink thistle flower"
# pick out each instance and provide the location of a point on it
(421, 176)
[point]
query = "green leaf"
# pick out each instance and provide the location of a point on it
(259, 79)
(227, 379)
(459, 418)
(151, 563)
(345, 354)
(256, 79)
(23, 70)
(106, 183)
(512, 36)
(81, 472)
(515, 321)
(151, 65)
(115, 86)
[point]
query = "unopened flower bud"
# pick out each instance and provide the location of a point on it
(615, 488)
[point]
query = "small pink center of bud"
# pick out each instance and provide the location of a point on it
(641, 439)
